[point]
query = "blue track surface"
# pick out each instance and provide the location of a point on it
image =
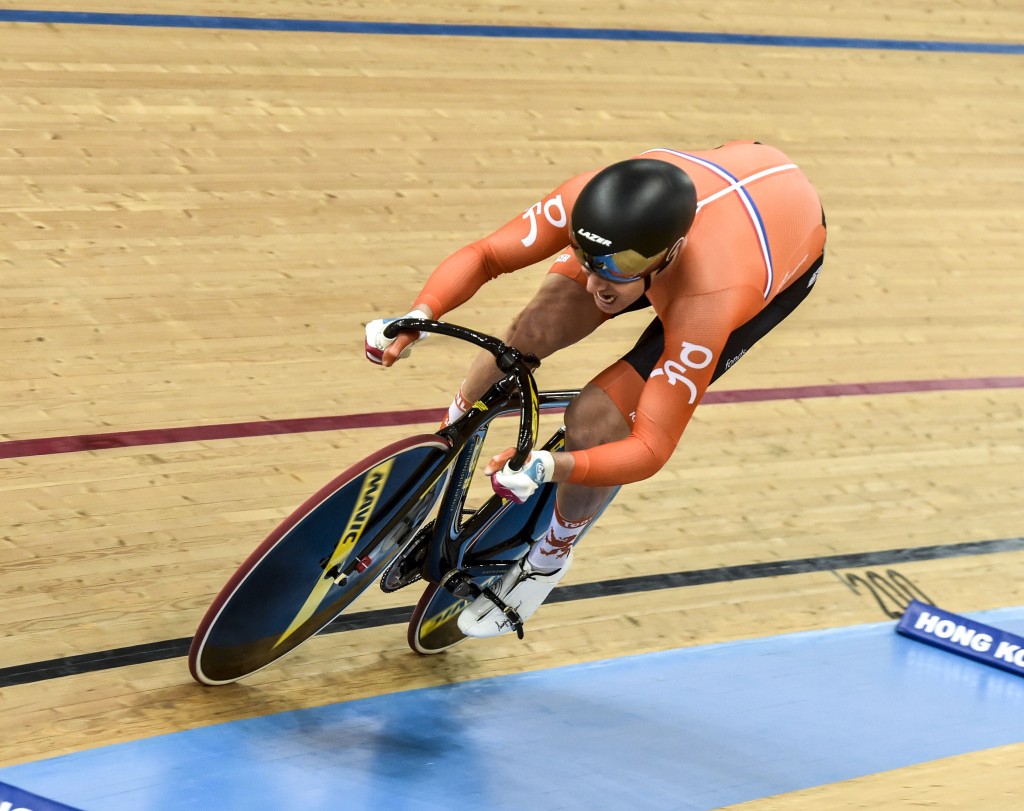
(695, 728)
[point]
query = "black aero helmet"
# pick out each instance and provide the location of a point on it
(629, 217)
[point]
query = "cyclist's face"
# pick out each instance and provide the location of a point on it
(613, 297)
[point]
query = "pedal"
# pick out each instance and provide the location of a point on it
(461, 586)
(510, 613)
(465, 588)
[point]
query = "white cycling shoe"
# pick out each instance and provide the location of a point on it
(522, 588)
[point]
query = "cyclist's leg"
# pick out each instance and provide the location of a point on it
(604, 412)
(594, 417)
(560, 314)
(598, 415)
(530, 580)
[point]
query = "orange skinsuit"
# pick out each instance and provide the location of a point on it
(759, 227)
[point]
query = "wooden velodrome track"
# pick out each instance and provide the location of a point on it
(197, 223)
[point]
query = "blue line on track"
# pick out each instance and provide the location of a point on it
(501, 31)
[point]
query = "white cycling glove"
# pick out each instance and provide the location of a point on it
(376, 342)
(519, 485)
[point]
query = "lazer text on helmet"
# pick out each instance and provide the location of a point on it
(593, 237)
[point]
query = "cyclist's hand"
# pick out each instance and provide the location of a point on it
(385, 351)
(519, 485)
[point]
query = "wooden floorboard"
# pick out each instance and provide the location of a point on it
(197, 224)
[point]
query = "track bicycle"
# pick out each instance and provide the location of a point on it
(400, 515)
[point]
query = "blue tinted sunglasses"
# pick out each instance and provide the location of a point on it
(621, 267)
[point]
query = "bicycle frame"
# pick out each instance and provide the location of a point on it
(361, 523)
(453, 539)
(451, 561)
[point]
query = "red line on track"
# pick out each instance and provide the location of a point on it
(162, 436)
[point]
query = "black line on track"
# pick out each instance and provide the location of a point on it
(175, 648)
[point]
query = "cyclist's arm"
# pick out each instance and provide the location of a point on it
(539, 232)
(696, 330)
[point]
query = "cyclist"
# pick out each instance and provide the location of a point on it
(722, 243)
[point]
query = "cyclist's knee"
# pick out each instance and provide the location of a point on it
(593, 419)
(526, 331)
(559, 315)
